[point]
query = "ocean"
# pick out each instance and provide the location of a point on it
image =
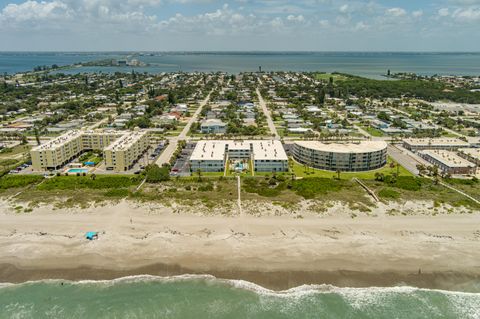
(366, 64)
(207, 297)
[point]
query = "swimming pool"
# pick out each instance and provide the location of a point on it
(77, 170)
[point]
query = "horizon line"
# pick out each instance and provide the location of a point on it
(228, 51)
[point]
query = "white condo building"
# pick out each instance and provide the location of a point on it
(262, 155)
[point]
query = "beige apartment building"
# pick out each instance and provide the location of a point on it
(122, 154)
(123, 147)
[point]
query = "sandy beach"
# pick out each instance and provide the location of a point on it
(278, 252)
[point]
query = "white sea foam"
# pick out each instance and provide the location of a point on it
(466, 305)
(250, 286)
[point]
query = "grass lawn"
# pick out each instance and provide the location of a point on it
(373, 131)
(19, 149)
(300, 171)
(209, 174)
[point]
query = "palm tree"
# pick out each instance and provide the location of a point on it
(421, 169)
(435, 174)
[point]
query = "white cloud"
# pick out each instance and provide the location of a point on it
(240, 19)
(396, 12)
(33, 10)
(417, 14)
(298, 18)
(324, 23)
(467, 15)
(444, 12)
(361, 26)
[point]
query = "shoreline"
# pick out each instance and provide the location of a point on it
(274, 280)
(276, 252)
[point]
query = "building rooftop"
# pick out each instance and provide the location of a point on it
(209, 151)
(262, 149)
(472, 152)
(436, 141)
(361, 147)
(268, 149)
(126, 141)
(213, 122)
(59, 141)
(448, 158)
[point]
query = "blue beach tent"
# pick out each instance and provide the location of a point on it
(91, 235)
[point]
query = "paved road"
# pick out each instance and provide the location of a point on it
(266, 111)
(99, 123)
(406, 158)
(362, 131)
(166, 155)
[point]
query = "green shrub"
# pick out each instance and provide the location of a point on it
(82, 182)
(15, 181)
(206, 187)
(409, 183)
(458, 181)
(262, 188)
(389, 193)
(310, 187)
(155, 174)
(117, 192)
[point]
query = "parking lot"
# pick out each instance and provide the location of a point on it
(181, 166)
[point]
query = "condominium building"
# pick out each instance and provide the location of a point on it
(57, 152)
(122, 154)
(470, 154)
(261, 155)
(418, 144)
(362, 156)
(448, 162)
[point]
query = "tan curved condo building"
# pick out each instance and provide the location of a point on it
(354, 157)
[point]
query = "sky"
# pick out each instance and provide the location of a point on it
(240, 25)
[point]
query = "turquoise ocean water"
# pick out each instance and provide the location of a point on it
(368, 64)
(207, 297)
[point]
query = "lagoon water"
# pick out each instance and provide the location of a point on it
(367, 64)
(206, 297)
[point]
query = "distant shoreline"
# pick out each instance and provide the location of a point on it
(368, 64)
